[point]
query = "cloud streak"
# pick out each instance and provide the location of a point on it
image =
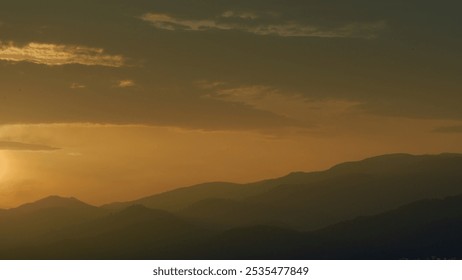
(167, 22)
(77, 86)
(242, 15)
(125, 83)
(284, 104)
(449, 129)
(55, 55)
(250, 25)
(19, 146)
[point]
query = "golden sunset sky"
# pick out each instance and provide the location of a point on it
(113, 100)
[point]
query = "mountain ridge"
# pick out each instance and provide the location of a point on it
(316, 199)
(290, 178)
(381, 207)
(51, 201)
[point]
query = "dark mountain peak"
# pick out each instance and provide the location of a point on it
(57, 198)
(391, 163)
(53, 202)
(409, 157)
(404, 156)
(381, 163)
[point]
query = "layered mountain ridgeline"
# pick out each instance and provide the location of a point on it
(393, 206)
(425, 229)
(308, 201)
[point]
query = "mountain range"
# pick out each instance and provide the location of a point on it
(386, 207)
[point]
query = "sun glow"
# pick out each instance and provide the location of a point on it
(3, 165)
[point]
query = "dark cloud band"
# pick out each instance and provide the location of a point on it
(19, 146)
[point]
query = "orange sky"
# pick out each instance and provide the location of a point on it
(162, 94)
(101, 164)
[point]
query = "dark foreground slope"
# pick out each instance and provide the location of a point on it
(421, 230)
(133, 233)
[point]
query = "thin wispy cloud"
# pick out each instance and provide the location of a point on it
(251, 25)
(353, 30)
(77, 86)
(167, 22)
(55, 55)
(242, 15)
(287, 104)
(126, 83)
(19, 146)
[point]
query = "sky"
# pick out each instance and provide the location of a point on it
(113, 100)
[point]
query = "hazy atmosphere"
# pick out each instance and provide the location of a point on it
(114, 100)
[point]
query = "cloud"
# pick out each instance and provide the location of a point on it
(18, 146)
(174, 110)
(353, 30)
(77, 86)
(285, 104)
(54, 55)
(242, 15)
(126, 83)
(449, 129)
(164, 21)
(285, 29)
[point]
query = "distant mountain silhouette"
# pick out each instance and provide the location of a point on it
(421, 230)
(181, 198)
(366, 187)
(426, 229)
(387, 207)
(51, 202)
(52, 213)
(313, 200)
